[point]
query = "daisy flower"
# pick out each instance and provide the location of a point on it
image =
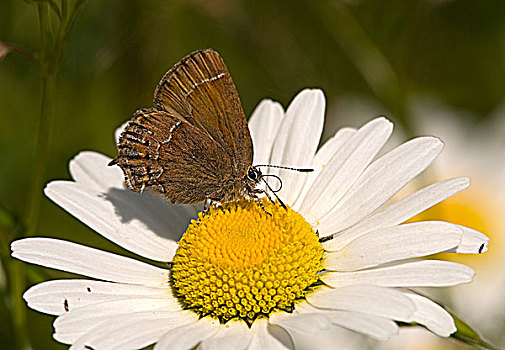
(340, 257)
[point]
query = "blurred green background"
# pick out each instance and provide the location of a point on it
(383, 52)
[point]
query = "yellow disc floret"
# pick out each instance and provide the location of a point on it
(243, 261)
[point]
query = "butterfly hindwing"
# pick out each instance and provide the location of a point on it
(165, 153)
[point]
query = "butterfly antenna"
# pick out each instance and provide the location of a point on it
(301, 170)
(278, 178)
(274, 192)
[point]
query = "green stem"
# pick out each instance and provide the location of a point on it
(48, 64)
(43, 133)
(52, 51)
(45, 32)
(17, 278)
(43, 144)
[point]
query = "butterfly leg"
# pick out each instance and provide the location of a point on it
(259, 190)
(258, 199)
(207, 203)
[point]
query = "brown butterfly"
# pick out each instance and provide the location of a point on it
(195, 144)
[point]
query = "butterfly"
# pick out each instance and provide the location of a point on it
(195, 144)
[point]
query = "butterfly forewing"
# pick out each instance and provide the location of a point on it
(200, 90)
(165, 153)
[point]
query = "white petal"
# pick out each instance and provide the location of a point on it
(304, 329)
(55, 297)
(233, 335)
(263, 339)
(90, 169)
(380, 181)
(297, 140)
(82, 260)
(376, 327)
(130, 331)
(321, 159)
(140, 223)
(81, 320)
(432, 315)
(345, 167)
(373, 326)
(189, 335)
(310, 323)
(472, 242)
(373, 300)
(419, 273)
(332, 338)
(394, 243)
(119, 130)
(66, 338)
(263, 125)
(400, 211)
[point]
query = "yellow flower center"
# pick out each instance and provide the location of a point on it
(240, 262)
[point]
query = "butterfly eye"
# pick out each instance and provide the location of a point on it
(252, 174)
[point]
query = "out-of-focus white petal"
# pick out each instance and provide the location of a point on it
(296, 141)
(344, 168)
(367, 299)
(417, 273)
(394, 243)
(263, 125)
(400, 211)
(380, 181)
(55, 297)
(82, 260)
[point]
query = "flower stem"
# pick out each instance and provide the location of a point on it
(17, 278)
(53, 32)
(16, 270)
(43, 144)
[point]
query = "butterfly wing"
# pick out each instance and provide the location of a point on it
(165, 153)
(200, 89)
